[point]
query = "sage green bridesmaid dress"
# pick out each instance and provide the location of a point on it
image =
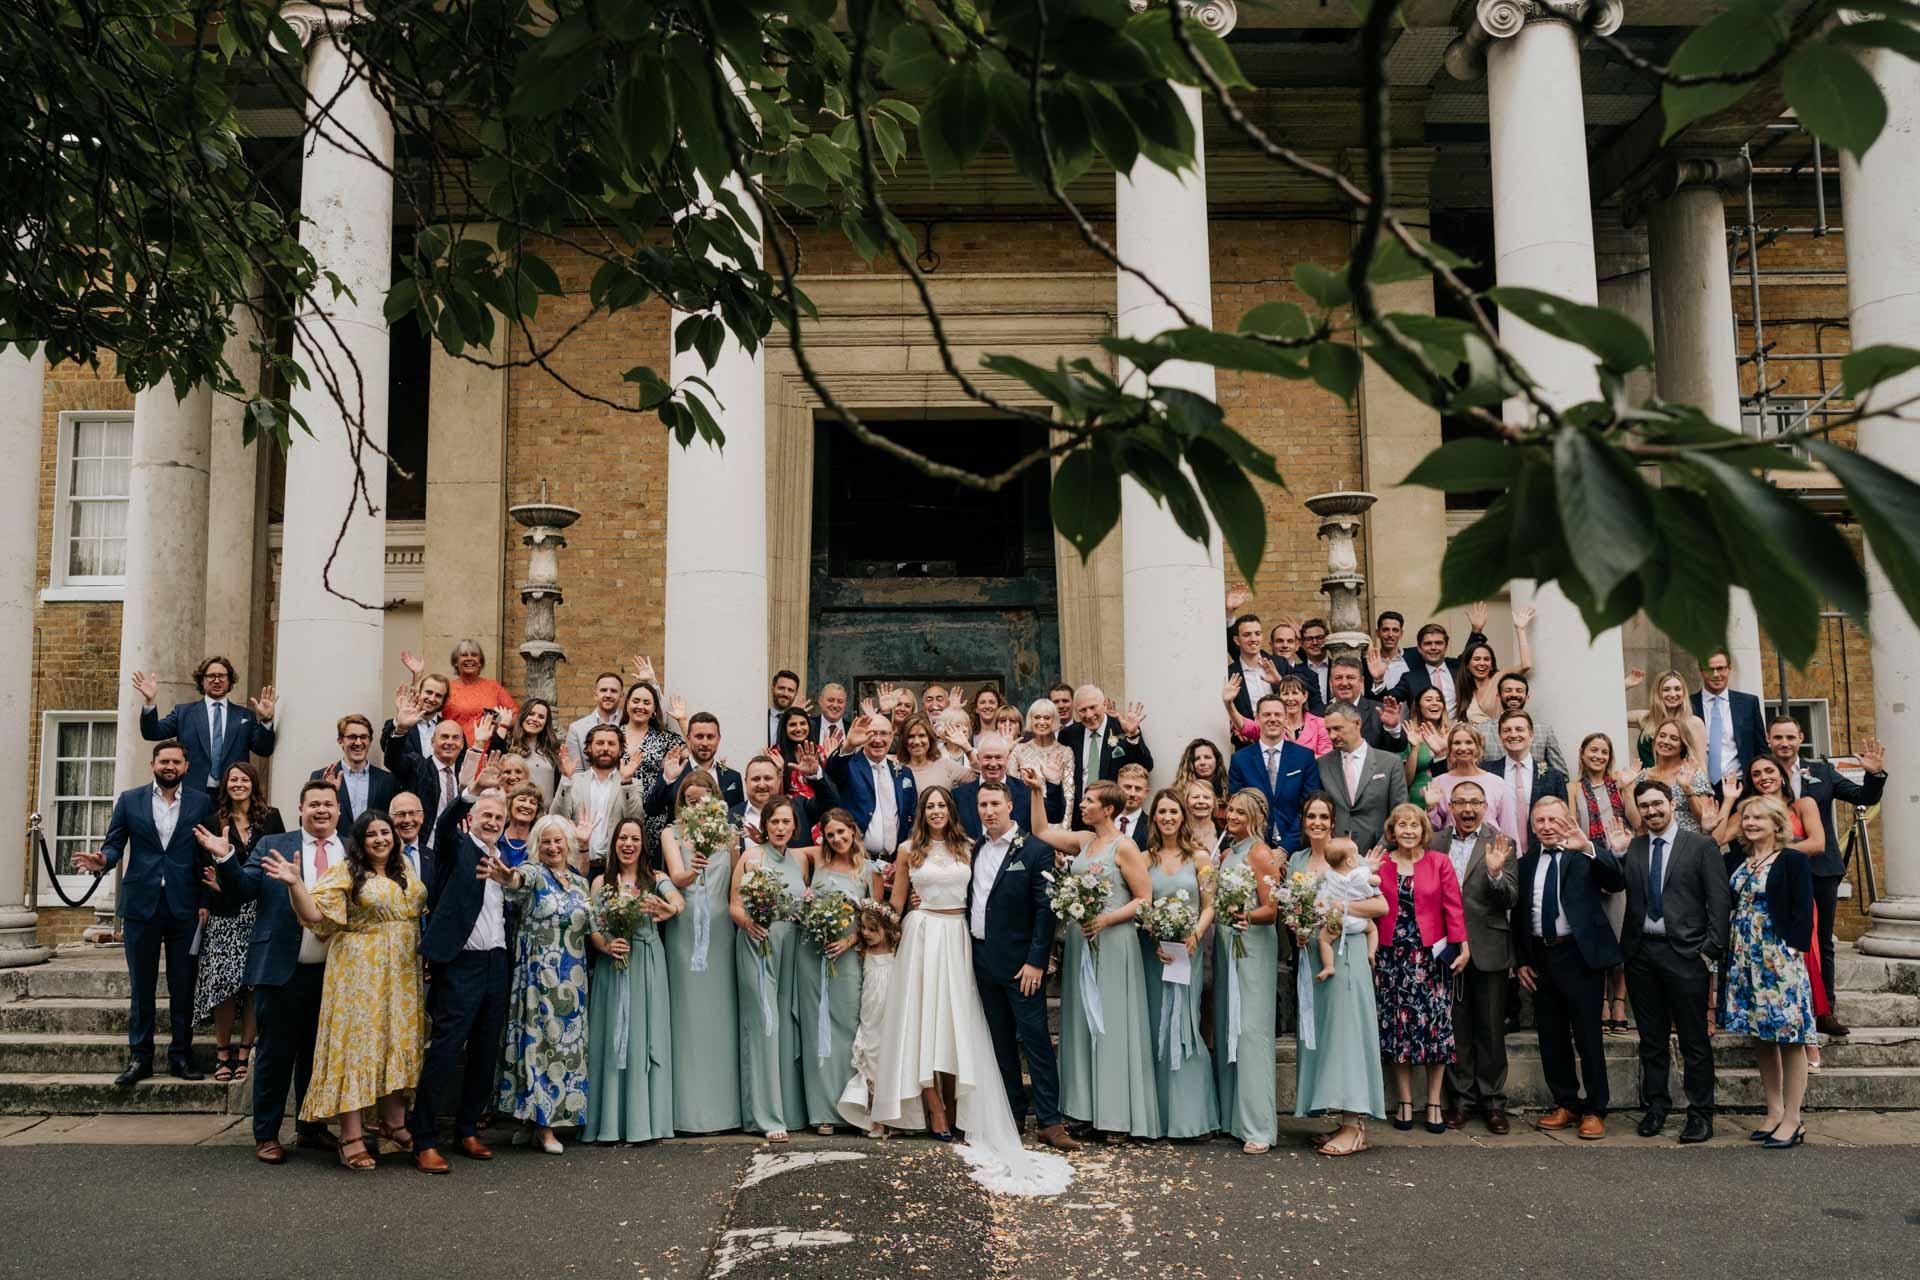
(826, 1033)
(1184, 1093)
(1106, 1043)
(630, 1101)
(700, 982)
(772, 1095)
(1243, 1002)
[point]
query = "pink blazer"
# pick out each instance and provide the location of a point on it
(1436, 899)
(1313, 733)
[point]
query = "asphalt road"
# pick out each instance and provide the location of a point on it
(905, 1210)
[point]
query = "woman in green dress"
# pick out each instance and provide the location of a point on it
(829, 1004)
(766, 961)
(629, 1025)
(1338, 1068)
(1182, 1067)
(1426, 743)
(1106, 1043)
(543, 1081)
(1245, 990)
(700, 979)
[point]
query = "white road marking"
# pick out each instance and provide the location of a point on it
(749, 1243)
(766, 1166)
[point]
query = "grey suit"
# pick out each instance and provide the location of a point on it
(1363, 816)
(1667, 979)
(1478, 1074)
(626, 803)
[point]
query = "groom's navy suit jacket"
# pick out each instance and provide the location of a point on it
(1019, 921)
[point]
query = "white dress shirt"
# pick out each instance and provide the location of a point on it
(600, 794)
(166, 814)
(1353, 766)
(1090, 755)
(219, 725)
(1560, 926)
(987, 860)
(1441, 678)
(1318, 670)
(313, 947)
(1128, 824)
(1253, 682)
(886, 809)
(490, 926)
(1730, 760)
(1460, 854)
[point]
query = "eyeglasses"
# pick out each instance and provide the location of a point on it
(1313, 635)
(356, 737)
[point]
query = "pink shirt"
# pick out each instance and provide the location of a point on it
(1313, 733)
(1499, 799)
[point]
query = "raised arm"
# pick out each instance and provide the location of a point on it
(1043, 830)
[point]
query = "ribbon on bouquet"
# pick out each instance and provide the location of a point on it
(763, 979)
(823, 1028)
(1233, 1007)
(1090, 994)
(622, 1015)
(1176, 1035)
(702, 924)
(1303, 987)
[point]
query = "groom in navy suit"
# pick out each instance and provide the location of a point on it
(1012, 928)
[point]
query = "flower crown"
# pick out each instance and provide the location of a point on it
(880, 909)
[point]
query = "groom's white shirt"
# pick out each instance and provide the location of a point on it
(986, 869)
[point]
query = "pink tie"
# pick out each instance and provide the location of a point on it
(320, 859)
(1353, 775)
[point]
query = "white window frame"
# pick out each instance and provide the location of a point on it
(1819, 713)
(47, 804)
(60, 584)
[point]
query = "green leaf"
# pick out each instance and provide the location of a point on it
(1113, 134)
(1236, 506)
(1687, 579)
(1834, 96)
(1276, 320)
(1475, 564)
(1086, 499)
(1620, 343)
(1735, 41)
(402, 298)
(644, 105)
(654, 390)
(912, 61)
(1604, 508)
(1144, 356)
(888, 137)
(1474, 464)
(1322, 285)
(1868, 367)
(1227, 351)
(904, 110)
(955, 124)
(1335, 366)
(544, 277)
(1885, 504)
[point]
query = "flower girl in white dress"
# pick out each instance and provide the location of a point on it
(878, 929)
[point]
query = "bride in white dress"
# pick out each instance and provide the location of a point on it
(936, 1053)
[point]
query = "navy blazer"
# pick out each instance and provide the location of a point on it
(455, 892)
(1243, 702)
(420, 775)
(275, 947)
(855, 785)
(1418, 680)
(659, 801)
(1547, 781)
(1749, 722)
(188, 722)
(382, 787)
(1115, 754)
(966, 799)
(1825, 784)
(1790, 899)
(176, 864)
(1582, 880)
(1020, 922)
(1298, 777)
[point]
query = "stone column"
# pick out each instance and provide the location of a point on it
(328, 650)
(1693, 340)
(163, 618)
(716, 591)
(1543, 239)
(1173, 589)
(1880, 192)
(236, 516)
(22, 379)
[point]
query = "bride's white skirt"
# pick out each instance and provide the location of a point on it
(934, 1023)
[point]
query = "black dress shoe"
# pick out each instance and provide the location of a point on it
(137, 1070)
(1653, 1122)
(1699, 1128)
(183, 1069)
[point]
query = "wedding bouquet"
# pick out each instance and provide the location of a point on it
(825, 916)
(620, 915)
(1302, 909)
(765, 896)
(1170, 919)
(1235, 894)
(1078, 897)
(705, 825)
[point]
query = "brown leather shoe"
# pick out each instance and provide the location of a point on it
(427, 1160)
(1055, 1136)
(1828, 1024)
(1497, 1122)
(474, 1149)
(269, 1152)
(1558, 1118)
(1453, 1118)
(318, 1140)
(1592, 1127)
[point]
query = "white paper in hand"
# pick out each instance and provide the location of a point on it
(1179, 969)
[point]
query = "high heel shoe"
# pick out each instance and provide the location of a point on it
(942, 1135)
(1763, 1133)
(1782, 1144)
(1435, 1125)
(1406, 1125)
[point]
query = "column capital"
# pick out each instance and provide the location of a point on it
(1672, 172)
(1484, 21)
(1217, 16)
(310, 18)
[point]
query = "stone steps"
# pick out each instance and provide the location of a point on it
(91, 1093)
(79, 1015)
(78, 1054)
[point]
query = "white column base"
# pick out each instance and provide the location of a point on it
(1895, 931)
(20, 938)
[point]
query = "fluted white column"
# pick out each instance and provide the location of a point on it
(328, 653)
(1880, 192)
(716, 589)
(22, 379)
(1543, 239)
(1171, 586)
(236, 483)
(1693, 341)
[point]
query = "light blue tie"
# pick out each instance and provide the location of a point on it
(1713, 739)
(219, 723)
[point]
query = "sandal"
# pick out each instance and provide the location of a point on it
(360, 1163)
(779, 1135)
(398, 1134)
(223, 1063)
(1255, 1148)
(1359, 1144)
(240, 1062)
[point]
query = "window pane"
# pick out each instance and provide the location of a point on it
(116, 438)
(104, 732)
(88, 437)
(70, 778)
(102, 778)
(83, 558)
(72, 738)
(113, 557)
(102, 818)
(113, 476)
(70, 819)
(63, 856)
(86, 478)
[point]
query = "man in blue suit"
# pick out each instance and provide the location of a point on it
(1734, 720)
(362, 785)
(159, 903)
(1525, 778)
(286, 965)
(990, 762)
(1278, 768)
(1563, 948)
(216, 732)
(1012, 927)
(876, 789)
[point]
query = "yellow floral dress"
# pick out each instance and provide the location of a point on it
(373, 1020)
